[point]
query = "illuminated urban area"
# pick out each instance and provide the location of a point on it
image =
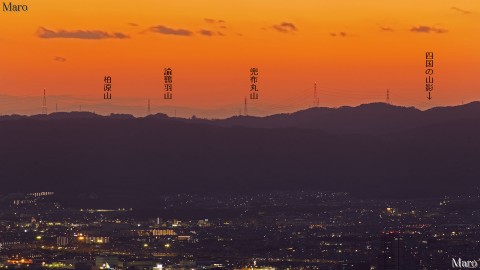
(277, 230)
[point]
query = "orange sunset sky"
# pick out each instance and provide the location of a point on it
(353, 49)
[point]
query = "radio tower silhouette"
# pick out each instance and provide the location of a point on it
(44, 106)
(388, 96)
(245, 108)
(148, 108)
(316, 99)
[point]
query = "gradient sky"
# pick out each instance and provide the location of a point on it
(353, 49)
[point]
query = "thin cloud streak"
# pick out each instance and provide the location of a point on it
(164, 30)
(285, 27)
(59, 59)
(339, 34)
(45, 33)
(428, 30)
(213, 21)
(386, 29)
(209, 33)
(466, 12)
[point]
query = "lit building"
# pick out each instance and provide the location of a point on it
(392, 252)
(62, 241)
(41, 194)
(159, 232)
(97, 240)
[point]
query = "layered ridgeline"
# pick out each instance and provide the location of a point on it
(371, 150)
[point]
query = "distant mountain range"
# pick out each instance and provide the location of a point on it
(373, 150)
(373, 118)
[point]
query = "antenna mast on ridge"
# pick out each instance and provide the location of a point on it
(44, 106)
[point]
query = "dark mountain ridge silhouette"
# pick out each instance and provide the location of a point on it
(373, 118)
(374, 150)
